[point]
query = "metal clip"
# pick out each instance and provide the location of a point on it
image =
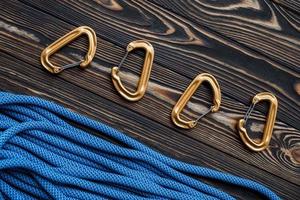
(145, 75)
(269, 124)
(55, 46)
(185, 97)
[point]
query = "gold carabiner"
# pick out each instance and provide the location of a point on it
(145, 75)
(55, 46)
(185, 97)
(268, 127)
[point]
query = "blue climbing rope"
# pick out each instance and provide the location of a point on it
(44, 155)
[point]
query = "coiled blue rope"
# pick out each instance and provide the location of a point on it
(43, 155)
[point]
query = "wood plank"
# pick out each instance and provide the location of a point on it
(259, 25)
(179, 146)
(293, 5)
(217, 131)
(187, 48)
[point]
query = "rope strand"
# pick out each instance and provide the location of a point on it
(44, 156)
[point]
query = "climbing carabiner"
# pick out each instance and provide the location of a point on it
(55, 46)
(263, 96)
(185, 97)
(145, 74)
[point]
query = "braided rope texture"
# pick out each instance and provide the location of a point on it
(44, 155)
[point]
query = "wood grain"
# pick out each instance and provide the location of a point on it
(217, 131)
(260, 25)
(293, 5)
(186, 48)
(135, 125)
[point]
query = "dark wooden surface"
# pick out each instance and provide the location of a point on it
(249, 46)
(293, 5)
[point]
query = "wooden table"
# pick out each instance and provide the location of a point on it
(249, 46)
